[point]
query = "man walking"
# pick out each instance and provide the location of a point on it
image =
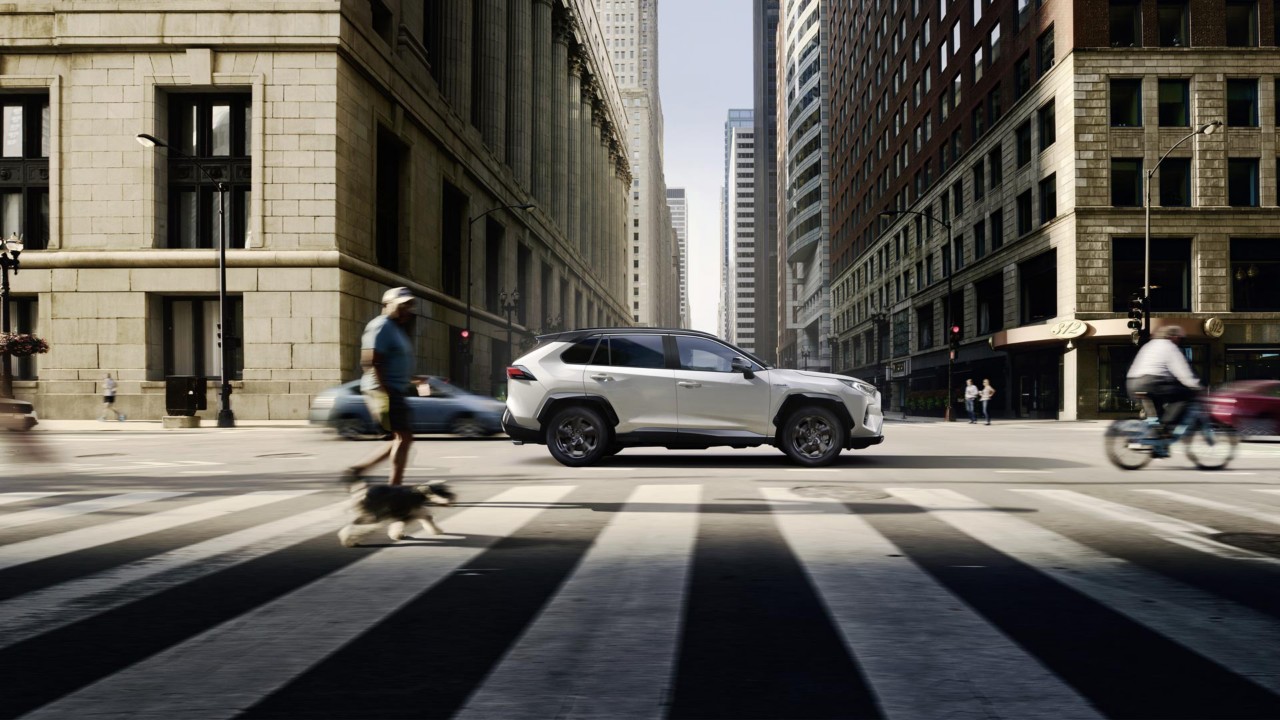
(386, 354)
(109, 400)
(970, 397)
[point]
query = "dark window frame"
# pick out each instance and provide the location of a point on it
(233, 170)
(1242, 109)
(1125, 102)
(1246, 195)
(1175, 182)
(26, 175)
(1126, 164)
(199, 322)
(1173, 112)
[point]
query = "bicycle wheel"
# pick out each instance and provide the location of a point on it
(1212, 446)
(1123, 445)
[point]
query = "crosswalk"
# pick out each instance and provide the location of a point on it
(571, 600)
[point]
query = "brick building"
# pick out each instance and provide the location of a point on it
(362, 142)
(1020, 132)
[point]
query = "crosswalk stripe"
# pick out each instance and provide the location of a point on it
(606, 643)
(17, 497)
(45, 610)
(84, 507)
(1199, 621)
(902, 626)
(230, 667)
(49, 546)
(1264, 516)
(1179, 532)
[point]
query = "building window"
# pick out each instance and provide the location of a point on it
(978, 122)
(1242, 182)
(957, 197)
(24, 168)
(977, 61)
(979, 240)
(1044, 52)
(924, 327)
(979, 181)
(1126, 182)
(1171, 16)
(1038, 288)
(1255, 274)
(1048, 198)
(1024, 213)
(958, 249)
(1170, 272)
(1023, 143)
(23, 316)
(453, 208)
(989, 294)
(1242, 23)
(191, 336)
(1021, 76)
(1126, 102)
(996, 158)
(387, 194)
(1174, 98)
(1048, 125)
(1175, 182)
(995, 221)
(1242, 103)
(995, 106)
(213, 129)
(1126, 23)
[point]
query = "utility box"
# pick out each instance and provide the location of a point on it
(184, 394)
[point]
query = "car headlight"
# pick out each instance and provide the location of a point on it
(865, 388)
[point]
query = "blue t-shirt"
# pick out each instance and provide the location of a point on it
(386, 338)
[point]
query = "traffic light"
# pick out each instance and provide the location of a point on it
(464, 341)
(954, 337)
(1137, 310)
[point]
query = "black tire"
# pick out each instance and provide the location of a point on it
(468, 426)
(1212, 446)
(613, 450)
(578, 436)
(352, 427)
(812, 436)
(1123, 449)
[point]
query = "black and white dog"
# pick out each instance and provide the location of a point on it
(373, 505)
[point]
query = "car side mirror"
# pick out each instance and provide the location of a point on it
(742, 365)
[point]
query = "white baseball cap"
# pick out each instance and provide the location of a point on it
(398, 295)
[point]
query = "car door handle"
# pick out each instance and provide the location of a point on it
(688, 384)
(602, 378)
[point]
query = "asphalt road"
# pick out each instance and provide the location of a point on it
(954, 571)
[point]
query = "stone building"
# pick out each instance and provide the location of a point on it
(363, 144)
(740, 297)
(1013, 139)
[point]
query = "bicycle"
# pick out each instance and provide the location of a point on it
(1131, 443)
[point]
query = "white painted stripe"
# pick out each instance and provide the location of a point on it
(606, 644)
(84, 507)
(51, 545)
(1174, 530)
(48, 609)
(18, 497)
(225, 670)
(1024, 472)
(925, 652)
(1197, 620)
(1264, 516)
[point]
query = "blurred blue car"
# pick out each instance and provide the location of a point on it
(448, 409)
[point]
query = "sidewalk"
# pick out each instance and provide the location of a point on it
(154, 426)
(896, 416)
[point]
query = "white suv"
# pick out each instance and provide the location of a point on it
(587, 394)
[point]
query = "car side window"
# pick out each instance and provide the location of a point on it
(705, 355)
(633, 351)
(580, 352)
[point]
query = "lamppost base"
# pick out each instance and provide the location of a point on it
(226, 418)
(946, 415)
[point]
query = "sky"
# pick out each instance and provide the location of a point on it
(704, 66)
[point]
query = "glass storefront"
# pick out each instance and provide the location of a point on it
(1113, 368)
(1253, 363)
(1037, 378)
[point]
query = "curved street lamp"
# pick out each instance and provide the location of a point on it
(226, 418)
(470, 223)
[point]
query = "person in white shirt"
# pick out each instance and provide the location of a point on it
(109, 399)
(970, 397)
(1161, 371)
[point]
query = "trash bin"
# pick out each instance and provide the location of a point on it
(184, 394)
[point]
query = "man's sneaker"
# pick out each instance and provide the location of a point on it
(123, 417)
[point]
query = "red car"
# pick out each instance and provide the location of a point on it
(1250, 406)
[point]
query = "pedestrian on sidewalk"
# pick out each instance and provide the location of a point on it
(109, 400)
(970, 397)
(986, 394)
(386, 354)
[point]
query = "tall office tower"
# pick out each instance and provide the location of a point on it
(739, 229)
(768, 271)
(631, 33)
(803, 191)
(678, 203)
(1013, 139)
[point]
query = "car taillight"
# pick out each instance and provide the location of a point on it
(519, 372)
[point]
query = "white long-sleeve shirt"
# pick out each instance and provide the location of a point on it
(1162, 358)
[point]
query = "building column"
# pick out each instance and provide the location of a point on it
(520, 80)
(490, 97)
(573, 196)
(622, 234)
(586, 170)
(597, 191)
(551, 161)
(548, 94)
(454, 67)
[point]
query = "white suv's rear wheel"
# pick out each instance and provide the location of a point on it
(812, 436)
(578, 436)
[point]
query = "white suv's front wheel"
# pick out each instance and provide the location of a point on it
(578, 436)
(812, 436)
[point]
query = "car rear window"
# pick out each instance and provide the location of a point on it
(634, 351)
(580, 352)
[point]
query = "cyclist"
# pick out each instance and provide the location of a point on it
(1161, 371)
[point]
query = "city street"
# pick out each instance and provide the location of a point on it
(956, 570)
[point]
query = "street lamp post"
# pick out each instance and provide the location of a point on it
(1206, 129)
(9, 251)
(226, 418)
(510, 301)
(804, 356)
(951, 354)
(470, 225)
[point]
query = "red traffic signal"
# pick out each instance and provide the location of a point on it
(955, 329)
(465, 334)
